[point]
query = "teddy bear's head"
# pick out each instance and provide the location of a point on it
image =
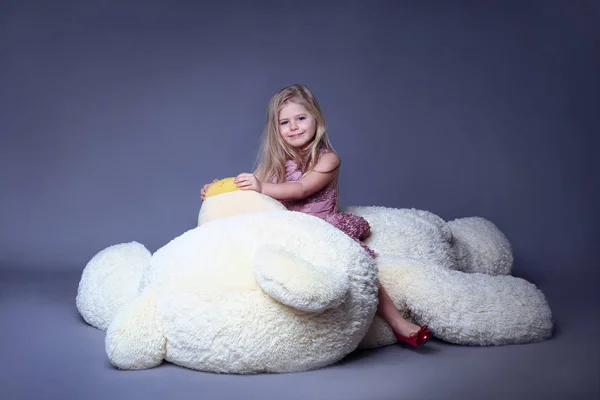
(273, 291)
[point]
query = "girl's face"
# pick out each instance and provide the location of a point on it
(296, 126)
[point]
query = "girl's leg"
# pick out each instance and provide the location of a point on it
(386, 308)
(388, 311)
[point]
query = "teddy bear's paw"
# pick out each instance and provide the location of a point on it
(236, 202)
(298, 283)
(109, 280)
(481, 247)
(134, 340)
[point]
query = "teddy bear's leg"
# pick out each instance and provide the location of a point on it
(409, 232)
(110, 280)
(462, 308)
(134, 340)
(480, 246)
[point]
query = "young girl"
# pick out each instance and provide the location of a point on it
(298, 166)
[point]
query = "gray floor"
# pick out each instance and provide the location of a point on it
(50, 353)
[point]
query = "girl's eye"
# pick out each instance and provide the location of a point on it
(284, 122)
(302, 118)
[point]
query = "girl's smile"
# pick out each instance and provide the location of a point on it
(297, 126)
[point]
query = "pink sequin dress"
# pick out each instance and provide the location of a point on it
(324, 204)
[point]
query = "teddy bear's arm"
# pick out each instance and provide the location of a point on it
(134, 339)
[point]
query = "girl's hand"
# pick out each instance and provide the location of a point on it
(247, 181)
(204, 188)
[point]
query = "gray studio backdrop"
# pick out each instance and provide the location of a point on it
(114, 114)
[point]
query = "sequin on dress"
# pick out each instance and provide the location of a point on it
(324, 204)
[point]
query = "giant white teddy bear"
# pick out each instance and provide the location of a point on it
(257, 288)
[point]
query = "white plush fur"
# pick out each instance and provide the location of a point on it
(411, 233)
(110, 280)
(481, 247)
(298, 283)
(267, 290)
(472, 309)
(234, 203)
(135, 339)
(214, 316)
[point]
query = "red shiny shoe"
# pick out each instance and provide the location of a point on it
(416, 339)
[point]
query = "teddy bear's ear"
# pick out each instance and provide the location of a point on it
(110, 280)
(298, 283)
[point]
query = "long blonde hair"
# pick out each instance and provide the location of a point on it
(274, 151)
